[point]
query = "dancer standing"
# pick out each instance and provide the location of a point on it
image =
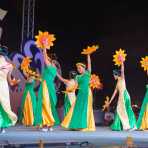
(28, 104)
(46, 114)
(124, 117)
(70, 96)
(81, 116)
(142, 122)
(7, 116)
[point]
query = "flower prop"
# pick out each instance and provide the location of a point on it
(44, 40)
(25, 67)
(106, 104)
(25, 63)
(119, 57)
(90, 49)
(95, 82)
(144, 63)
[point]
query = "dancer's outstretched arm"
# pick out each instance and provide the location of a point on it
(46, 58)
(122, 71)
(9, 77)
(89, 63)
(113, 95)
(62, 79)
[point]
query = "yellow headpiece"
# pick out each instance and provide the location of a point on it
(81, 64)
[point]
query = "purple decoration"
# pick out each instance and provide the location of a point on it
(37, 63)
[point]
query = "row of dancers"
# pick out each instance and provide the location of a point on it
(40, 111)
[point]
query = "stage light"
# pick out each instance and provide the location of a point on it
(2, 14)
(1, 31)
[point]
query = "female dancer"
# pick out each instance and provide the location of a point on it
(7, 117)
(70, 96)
(142, 122)
(28, 104)
(81, 116)
(46, 113)
(124, 118)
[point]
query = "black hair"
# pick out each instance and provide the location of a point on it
(53, 56)
(72, 74)
(3, 54)
(117, 72)
(3, 50)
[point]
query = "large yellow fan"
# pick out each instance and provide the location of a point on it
(95, 82)
(119, 57)
(144, 63)
(90, 49)
(44, 40)
(106, 104)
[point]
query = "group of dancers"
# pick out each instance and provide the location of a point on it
(40, 110)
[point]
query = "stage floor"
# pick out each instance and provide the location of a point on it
(102, 137)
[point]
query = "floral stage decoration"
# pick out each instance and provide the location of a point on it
(95, 82)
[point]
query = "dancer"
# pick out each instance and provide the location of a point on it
(70, 96)
(124, 117)
(46, 114)
(7, 116)
(142, 122)
(81, 116)
(28, 104)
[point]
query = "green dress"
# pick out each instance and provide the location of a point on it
(142, 122)
(70, 97)
(81, 116)
(28, 104)
(46, 114)
(124, 117)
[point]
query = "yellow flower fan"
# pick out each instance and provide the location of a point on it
(106, 104)
(25, 67)
(44, 40)
(95, 82)
(144, 63)
(90, 49)
(119, 57)
(25, 63)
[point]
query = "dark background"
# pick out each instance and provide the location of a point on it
(112, 25)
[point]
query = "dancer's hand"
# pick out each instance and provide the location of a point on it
(110, 101)
(14, 82)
